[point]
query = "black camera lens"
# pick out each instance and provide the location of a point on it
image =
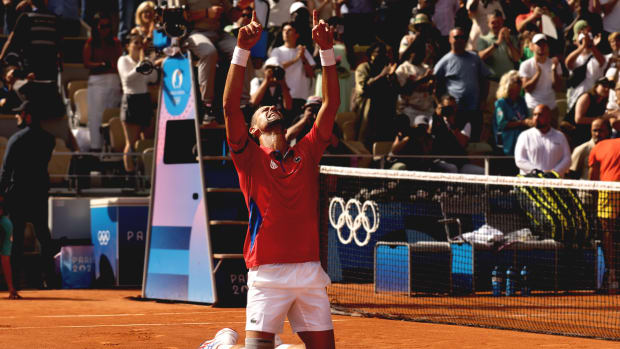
(278, 73)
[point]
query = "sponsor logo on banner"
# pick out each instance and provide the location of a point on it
(354, 215)
(177, 84)
(177, 78)
(103, 236)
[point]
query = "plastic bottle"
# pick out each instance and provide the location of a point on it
(510, 282)
(525, 286)
(496, 281)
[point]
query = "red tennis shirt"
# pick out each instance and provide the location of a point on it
(607, 154)
(281, 193)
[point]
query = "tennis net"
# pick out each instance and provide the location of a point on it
(530, 253)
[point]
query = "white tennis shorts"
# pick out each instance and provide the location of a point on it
(304, 303)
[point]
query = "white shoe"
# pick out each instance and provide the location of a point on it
(225, 336)
(277, 341)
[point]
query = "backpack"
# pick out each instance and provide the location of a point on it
(555, 213)
(578, 74)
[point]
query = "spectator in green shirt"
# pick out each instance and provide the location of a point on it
(6, 243)
(498, 49)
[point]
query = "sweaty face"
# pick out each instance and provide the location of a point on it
(267, 120)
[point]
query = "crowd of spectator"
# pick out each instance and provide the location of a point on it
(468, 73)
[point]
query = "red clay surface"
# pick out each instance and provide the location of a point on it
(579, 312)
(112, 319)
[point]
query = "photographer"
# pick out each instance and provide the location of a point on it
(272, 88)
(136, 106)
(101, 52)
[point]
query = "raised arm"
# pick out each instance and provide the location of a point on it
(236, 130)
(323, 36)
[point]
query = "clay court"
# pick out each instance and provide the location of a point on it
(115, 319)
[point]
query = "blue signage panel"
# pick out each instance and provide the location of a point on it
(104, 233)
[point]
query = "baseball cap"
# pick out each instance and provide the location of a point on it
(538, 37)
(420, 18)
(313, 100)
(421, 120)
(296, 6)
(579, 27)
(272, 62)
(605, 82)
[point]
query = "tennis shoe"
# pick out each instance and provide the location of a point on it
(225, 336)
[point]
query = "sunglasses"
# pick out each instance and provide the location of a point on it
(459, 37)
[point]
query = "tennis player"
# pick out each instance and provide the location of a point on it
(281, 189)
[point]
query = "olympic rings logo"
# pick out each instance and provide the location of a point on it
(360, 220)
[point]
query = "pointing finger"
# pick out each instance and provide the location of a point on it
(254, 16)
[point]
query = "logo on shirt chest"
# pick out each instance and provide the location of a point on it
(273, 165)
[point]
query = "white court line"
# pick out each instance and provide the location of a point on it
(126, 325)
(135, 314)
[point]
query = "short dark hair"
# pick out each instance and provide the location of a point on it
(382, 48)
(292, 24)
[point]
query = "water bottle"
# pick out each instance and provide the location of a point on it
(496, 281)
(510, 282)
(525, 287)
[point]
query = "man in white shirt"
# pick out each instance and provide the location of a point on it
(542, 147)
(298, 65)
(541, 77)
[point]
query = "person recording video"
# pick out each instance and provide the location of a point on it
(272, 88)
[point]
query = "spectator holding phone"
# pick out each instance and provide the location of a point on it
(585, 63)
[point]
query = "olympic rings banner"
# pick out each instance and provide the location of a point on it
(354, 215)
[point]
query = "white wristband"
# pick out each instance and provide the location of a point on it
(240, 56)
(327, 57)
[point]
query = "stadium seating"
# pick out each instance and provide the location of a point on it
(72, 87)
(109, 113)
(380, 150)
(58, 166)
(81, 106)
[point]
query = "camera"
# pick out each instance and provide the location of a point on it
(278, 73)
(145, 67)
(447, 111)
(171, 15)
